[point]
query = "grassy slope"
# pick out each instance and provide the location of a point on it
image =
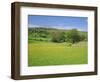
(48, 53)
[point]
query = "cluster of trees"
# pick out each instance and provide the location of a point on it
(59, 36)
(71, 36)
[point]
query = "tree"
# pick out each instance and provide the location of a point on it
(58, 37)
(73, 36)
(83, 37)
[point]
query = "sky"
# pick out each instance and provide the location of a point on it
(58, 22)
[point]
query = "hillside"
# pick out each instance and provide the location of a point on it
(45, 34)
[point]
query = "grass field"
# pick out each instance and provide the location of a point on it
(49, 53)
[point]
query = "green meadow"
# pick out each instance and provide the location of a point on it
(48, 46)
(50, 53)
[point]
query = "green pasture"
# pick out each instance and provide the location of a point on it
(50, 53)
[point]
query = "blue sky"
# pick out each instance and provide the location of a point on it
(60, 22)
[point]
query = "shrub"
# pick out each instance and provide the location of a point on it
(58, 37)
(69, 44)
(73, 36)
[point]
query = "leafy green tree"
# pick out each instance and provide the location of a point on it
(73, 36)
(58, 37)
(83, 37)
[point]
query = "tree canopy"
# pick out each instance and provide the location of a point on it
(57, 35)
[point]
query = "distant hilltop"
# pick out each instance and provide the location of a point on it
(55, 27)
(52, 28)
